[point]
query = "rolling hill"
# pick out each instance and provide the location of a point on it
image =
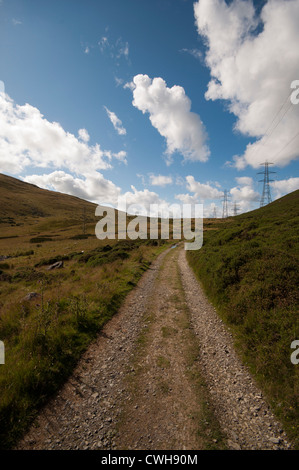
(25, 204)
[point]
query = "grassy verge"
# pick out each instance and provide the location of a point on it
(46, 333)
(249, 269)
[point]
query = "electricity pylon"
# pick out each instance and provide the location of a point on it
(214, 213)
(266, 194)
(235, 209)
(225, 205)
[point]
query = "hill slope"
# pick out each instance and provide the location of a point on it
(24, 199)
(249, 269)
(26, 203)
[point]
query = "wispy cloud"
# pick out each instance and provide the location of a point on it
(142, 178)
(16, 22)
(118, 81)
(117, 124)
(179, 181)
(117, 50)
(122, 48)
(86, 47)
(194, 52)
(103, 44)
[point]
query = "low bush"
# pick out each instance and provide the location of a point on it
(40, 239)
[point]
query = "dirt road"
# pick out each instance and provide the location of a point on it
(163, 374)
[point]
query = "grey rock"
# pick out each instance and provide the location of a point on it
(274, 440)
(31, 295)
(57, 265)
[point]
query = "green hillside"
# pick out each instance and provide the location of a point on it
(248, 267)
(48, 317)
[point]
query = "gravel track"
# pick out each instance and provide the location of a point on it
(96, 405)
(240, 407)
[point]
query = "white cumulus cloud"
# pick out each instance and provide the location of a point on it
(244, 181)
(170, 113)
(83, 135)
(91, 186)
(200, 193)
(140, 202)
(210, 195)
(160, 180)
(282, 187)
(28, 139)
(253, 61)
(244, 195)
(202, 190)
(43, 153)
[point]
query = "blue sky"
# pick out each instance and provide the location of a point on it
(206, 82)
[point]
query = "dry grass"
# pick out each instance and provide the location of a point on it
(44, 337)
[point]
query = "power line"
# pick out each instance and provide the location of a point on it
(286, 145)
(279, 112)
(268, 134)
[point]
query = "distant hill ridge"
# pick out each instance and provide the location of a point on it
(19, 198)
